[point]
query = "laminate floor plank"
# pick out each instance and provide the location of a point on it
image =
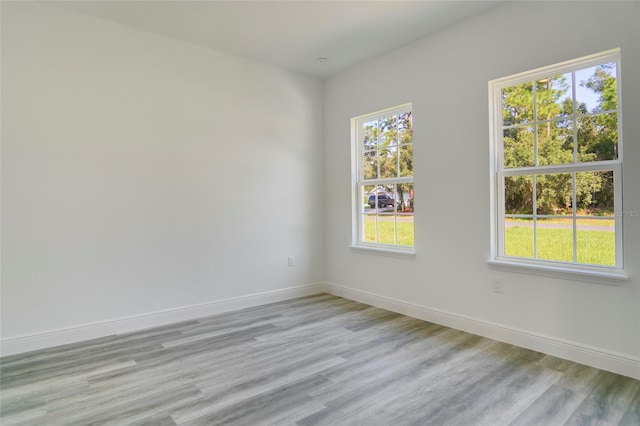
(553, 407)
(505, 401)
(607, 403)
(632, 415)
(204, 331)
(279, 404)
(126, 408)
(480, 390)
(431, 390)
(372, 367)
(317, 360)
(382, 384)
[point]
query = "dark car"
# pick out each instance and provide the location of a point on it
(383, 201)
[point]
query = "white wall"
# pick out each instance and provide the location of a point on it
(445, 76)
(142, 174)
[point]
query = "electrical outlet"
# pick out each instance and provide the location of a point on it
(498, 286)
(292, 261)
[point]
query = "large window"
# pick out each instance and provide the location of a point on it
(557, 166)
(383, 179)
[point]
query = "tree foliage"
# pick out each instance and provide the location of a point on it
(388, 153)
(541, 128)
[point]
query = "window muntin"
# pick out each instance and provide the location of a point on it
(557, 165)
(383, 179)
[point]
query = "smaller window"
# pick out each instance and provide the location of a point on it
(383, 196)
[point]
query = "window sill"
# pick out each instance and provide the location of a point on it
(559, 271)
(385, 251)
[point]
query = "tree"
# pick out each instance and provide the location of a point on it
(598, 135)
(595, 131)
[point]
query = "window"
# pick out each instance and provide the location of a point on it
(557, 166)
(382, 147)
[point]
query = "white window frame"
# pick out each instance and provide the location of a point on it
(358, 181)
(498, 173)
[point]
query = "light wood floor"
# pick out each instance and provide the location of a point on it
(319, 360)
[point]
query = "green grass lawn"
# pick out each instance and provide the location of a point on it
(594, 247)
(386, 231)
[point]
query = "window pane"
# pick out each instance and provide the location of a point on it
(406, 160)
(517, 104)
(554, 97)
(518, 147)
(387, 199)
(370, 135)
(389, 162)
(368, 198)
(405, 197)
(595, 242)
(598, 137)
(370, 164)
(596, 88)
(394, 203)
(555, 143)
(381, 198)
(518, 237)
(388, 131)
(554, 239)
(518, 195)
(406, 230)
(387, 228)
(369, 228)
(554, 194)
(594, 193)
(405, 127)
(405, 223)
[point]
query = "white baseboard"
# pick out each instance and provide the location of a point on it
(63, 336)
(577, 352)
(584, 354)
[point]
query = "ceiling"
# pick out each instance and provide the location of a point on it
(289, 34)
